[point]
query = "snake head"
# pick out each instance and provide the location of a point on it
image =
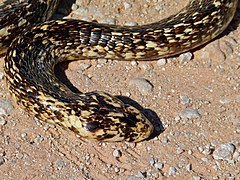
(109, 119)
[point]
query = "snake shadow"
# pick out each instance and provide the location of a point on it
(149, 114)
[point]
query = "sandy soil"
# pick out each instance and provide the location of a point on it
(208, 84)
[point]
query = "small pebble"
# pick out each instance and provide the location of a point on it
(133, 178)
(131, 23)
(60, 164)
(185, 100)
(1, 75)
(74, 7)
(134, 63)
(117, 153)
(158, 165)
(189, 167)
(127, 5)
(165, 140)
(19, 156)
(236, 155)
(172, 171)
(190, 114)
(84, 66)
(38, 139)
(116, 169)
(148, 148)
(224, 152)
(151, 160)
(207, 150)
(141, 175)
(2, 161)
(185, 58)
(179, 150)
(102, 60)
(143, 85)
(6, 107)
(224, 100)
(161, 62)
(196, 178)
(3, 122)
(204, 159)
(111, 21)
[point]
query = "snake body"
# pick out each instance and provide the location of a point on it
(37, 45)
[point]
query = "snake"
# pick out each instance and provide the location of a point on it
(33, 44)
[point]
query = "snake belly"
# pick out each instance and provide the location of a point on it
(37, 46)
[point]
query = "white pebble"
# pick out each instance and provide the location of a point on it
(116, 169)
(116, 153)
(74, 7)
(224, 152)
(5, 107)
(161, 62)
(2, 161)
(1, 75)
(131, 23)
(196, 177)
(134, 63)
(189, 167)
(224, 100)
(109, 21)
(2, 122)
(102, 60)
(158, 165)
(151, 160)
(185, 58)
(143, 85)
(127, 5)
(172, 171)
(190, 114)
(179, 150)
(84, 66)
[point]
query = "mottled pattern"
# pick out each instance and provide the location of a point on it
(31, 58)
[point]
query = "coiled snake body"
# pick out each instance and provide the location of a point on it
(39, 45)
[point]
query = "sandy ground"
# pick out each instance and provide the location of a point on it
(190, 146)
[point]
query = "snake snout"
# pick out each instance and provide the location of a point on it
(139, 126)
(112, 120)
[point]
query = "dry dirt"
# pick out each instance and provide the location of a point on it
(208, 84)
